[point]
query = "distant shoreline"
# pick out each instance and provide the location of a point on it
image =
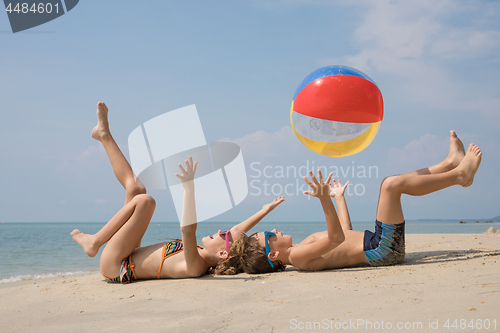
(477, 222)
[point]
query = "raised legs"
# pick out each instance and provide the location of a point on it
(121, 167)
(458, 168)
(124, 231)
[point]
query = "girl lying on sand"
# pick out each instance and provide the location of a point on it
(340, 246)
(123, 260)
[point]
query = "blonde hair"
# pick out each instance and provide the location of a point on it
(247, 256)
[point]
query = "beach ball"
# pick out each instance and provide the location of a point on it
(337, 111)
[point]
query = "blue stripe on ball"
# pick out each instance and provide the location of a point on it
(330, 70)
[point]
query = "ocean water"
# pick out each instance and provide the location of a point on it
(33, 251)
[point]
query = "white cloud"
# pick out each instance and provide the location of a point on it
(281, 147)
(464, 44)
(420, 47)
(91, 154)
(94, 157)
(423, 152)
(428, 150)
(261, 145)
(427, 30)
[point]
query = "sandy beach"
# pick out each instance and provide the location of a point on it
(449, 279)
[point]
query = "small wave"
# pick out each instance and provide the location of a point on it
(38, 276)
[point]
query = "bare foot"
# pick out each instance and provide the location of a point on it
(102, 127)
(457, 151)
(469, 165)
(86, 241)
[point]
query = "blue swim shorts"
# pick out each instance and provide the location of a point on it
(386, 246)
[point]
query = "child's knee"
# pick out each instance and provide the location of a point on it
(391, 183)
(109, 265)
(145, 200)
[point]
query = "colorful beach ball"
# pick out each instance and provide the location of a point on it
(337, 111)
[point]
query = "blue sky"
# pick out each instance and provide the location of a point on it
(437, 65)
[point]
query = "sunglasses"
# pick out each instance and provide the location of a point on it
(266, 234)
(226, 237)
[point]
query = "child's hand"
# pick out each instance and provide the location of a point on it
(188, 173)
(337, 189)
(320, 188)
(270, 206)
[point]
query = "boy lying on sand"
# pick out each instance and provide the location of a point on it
(340, 246)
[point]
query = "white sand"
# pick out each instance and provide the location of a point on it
(448, 276)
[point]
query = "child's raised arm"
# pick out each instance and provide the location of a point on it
(252, 221)
(195, 265)
(302, 256)
(337, 191)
